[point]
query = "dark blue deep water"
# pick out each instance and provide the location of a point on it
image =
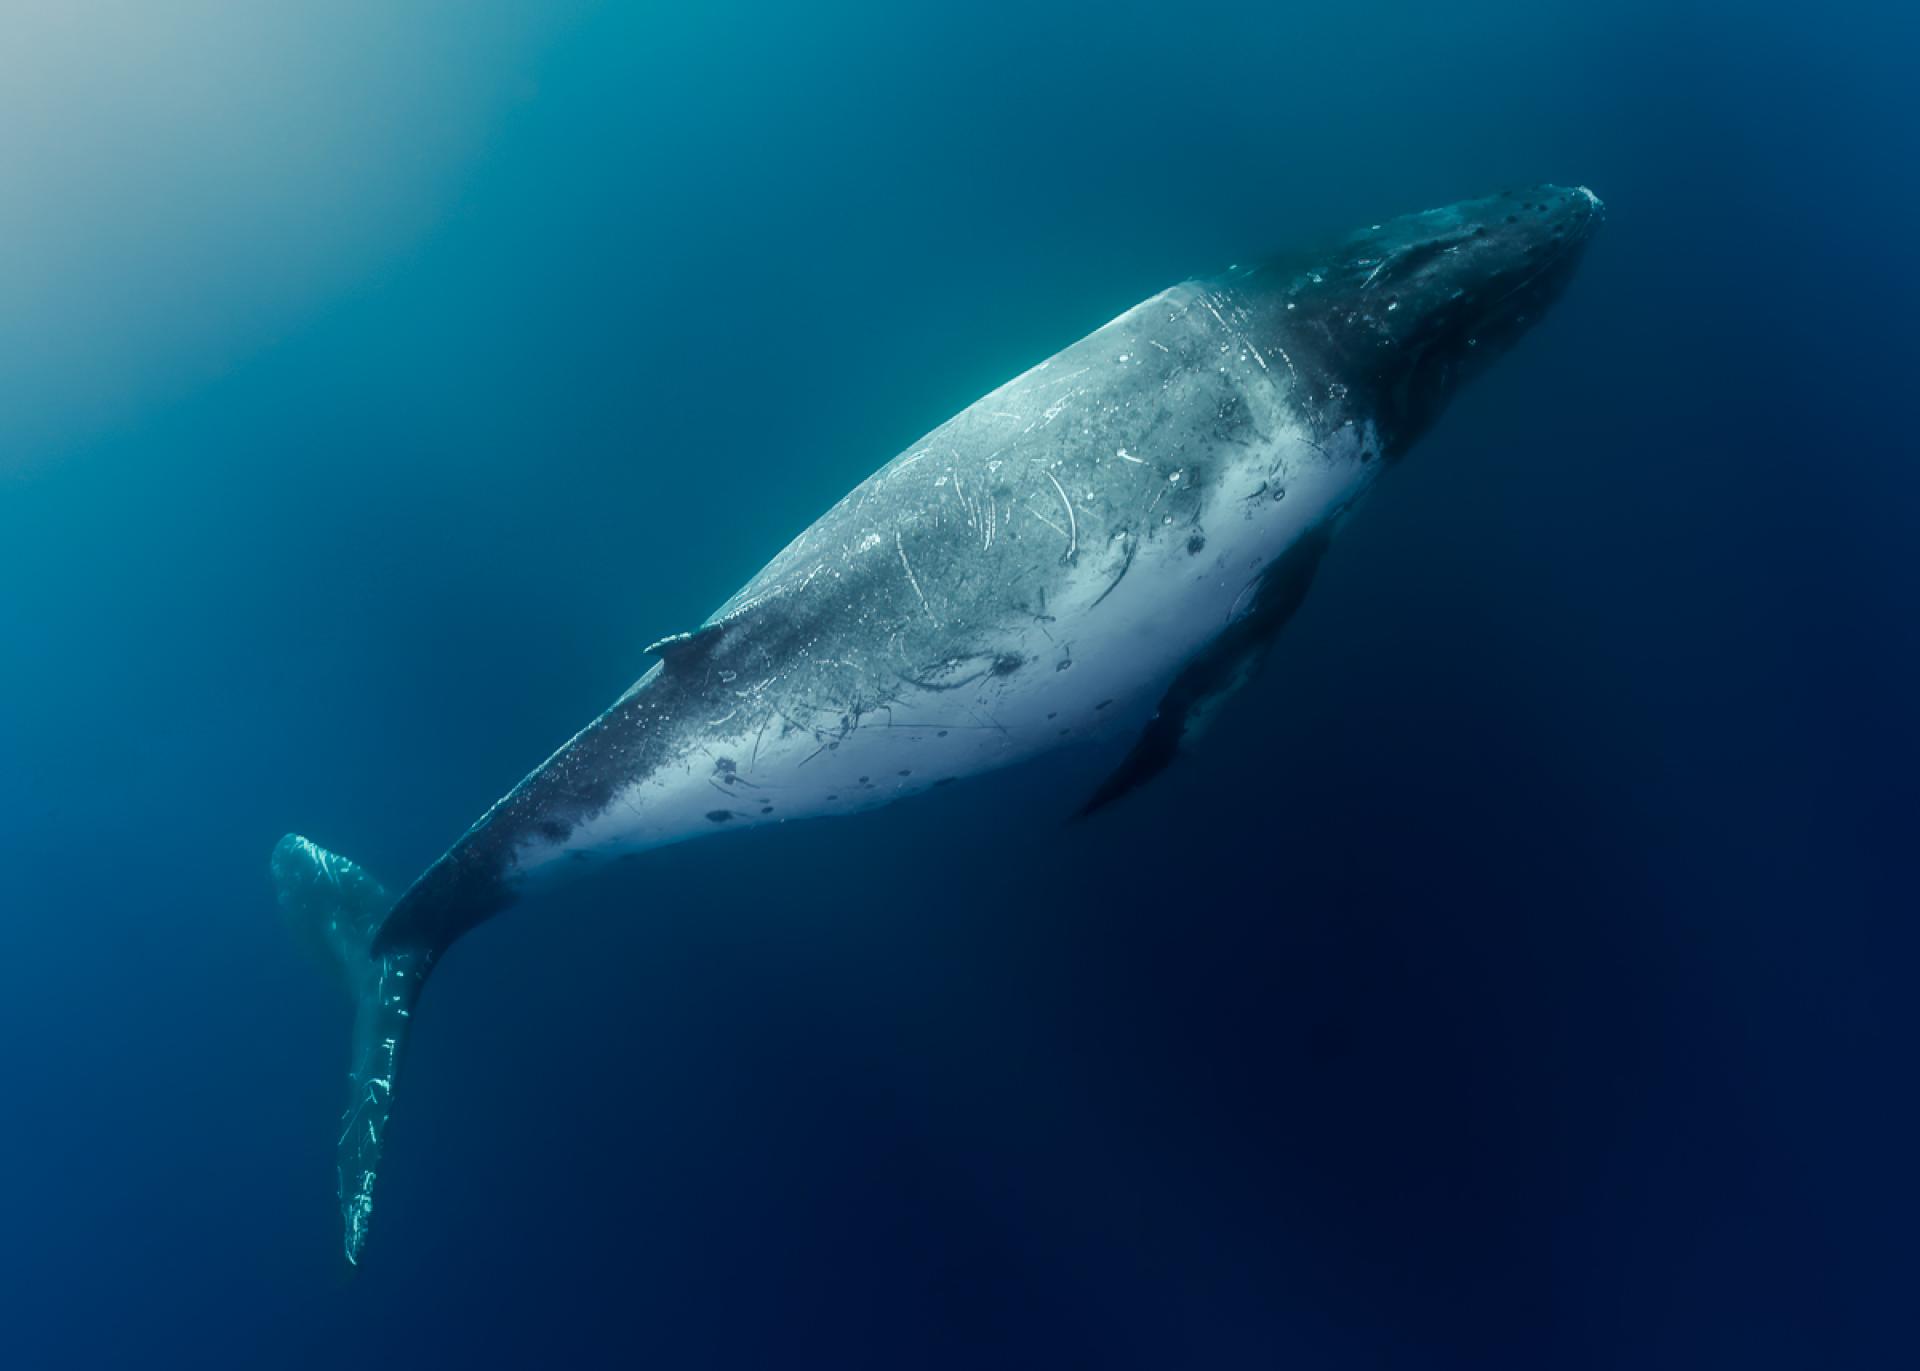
(1520, 977)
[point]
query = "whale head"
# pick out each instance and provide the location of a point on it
(1391, 323)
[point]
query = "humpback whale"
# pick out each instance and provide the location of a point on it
(1081, 565)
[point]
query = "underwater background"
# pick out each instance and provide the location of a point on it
(1519, 976)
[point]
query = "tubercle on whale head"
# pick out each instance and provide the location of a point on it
(1394, 320)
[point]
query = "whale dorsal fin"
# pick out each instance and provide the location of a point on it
(679, 650)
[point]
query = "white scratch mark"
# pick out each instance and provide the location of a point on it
(1045, 520)
(1248, 342)
(913, 580)
(1052, 411)
(1073, 524)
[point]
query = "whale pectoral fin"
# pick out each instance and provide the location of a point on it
(1153, 754)
(335, 908)
(1194, 699)
(1184, 714)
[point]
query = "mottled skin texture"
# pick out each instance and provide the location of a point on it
(1090, 550)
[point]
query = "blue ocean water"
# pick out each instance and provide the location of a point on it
(1518, 977)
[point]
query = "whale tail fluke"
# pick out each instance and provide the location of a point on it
(334, 909)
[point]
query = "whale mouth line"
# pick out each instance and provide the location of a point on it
(1545, 269)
